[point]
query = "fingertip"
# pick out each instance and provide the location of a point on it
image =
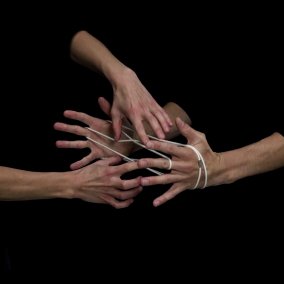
(167, 129)
(156, 203)
(66, 112)
(178, 119)
(145, 140)
(161, 135)
(116, 130)
(149, 144)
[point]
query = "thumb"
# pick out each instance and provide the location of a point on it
(188, 132)
(104, 105)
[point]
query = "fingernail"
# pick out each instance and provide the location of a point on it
(149, 144)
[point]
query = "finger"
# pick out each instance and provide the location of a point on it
(139, 127)
(162, 179)
(126, 167)
(128, 184)
(110, 161)
(163, 119)
(116, 203)
(188, 132)
(80, 116)
(83, 162)
(104, 105)
(72, 144)
(168, 195)
(166, 117)
(164, 147)
(124, 195)
(74, 129)
(116, 124)
(155, 163)
(154, 123)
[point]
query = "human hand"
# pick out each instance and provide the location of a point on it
(94, 123)
(101, 182)
(132, 100)
(184, 168)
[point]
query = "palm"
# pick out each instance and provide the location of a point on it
(96, 151)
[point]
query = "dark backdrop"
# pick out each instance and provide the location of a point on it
(223, 68)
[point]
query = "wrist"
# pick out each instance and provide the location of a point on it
(230, 168)
(117, 73)
(64, 185)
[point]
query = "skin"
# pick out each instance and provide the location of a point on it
(223, 168)
(130, 97)
(172, 109)
(99, 182)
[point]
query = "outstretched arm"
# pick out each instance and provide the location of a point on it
(222, 168)
(99, 182)
(130, 98)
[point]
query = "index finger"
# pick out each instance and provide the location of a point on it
(74, 129)
(165, 147)
(80, 116)
(139, 127)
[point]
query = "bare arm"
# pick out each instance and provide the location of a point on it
(130, 98)
(90, 52)
(99, 182)
(222, 168)
(25, 185)
(260, 157)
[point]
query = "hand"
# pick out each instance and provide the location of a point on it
(101, 182)
(133, 101)
(184, 172)
(94, 123)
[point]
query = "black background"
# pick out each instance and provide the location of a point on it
(222, 66)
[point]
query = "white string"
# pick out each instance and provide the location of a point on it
(201, 162)
(116, 152)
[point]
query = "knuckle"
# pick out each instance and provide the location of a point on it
(165, 163)
(123, 184)
(121, 196)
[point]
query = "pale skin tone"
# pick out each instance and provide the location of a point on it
(99, 182)
(172, 109)
(130, 97)
(223, 168)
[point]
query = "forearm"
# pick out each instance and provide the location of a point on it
(88, 51)
(25, 185)
(263, 156)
